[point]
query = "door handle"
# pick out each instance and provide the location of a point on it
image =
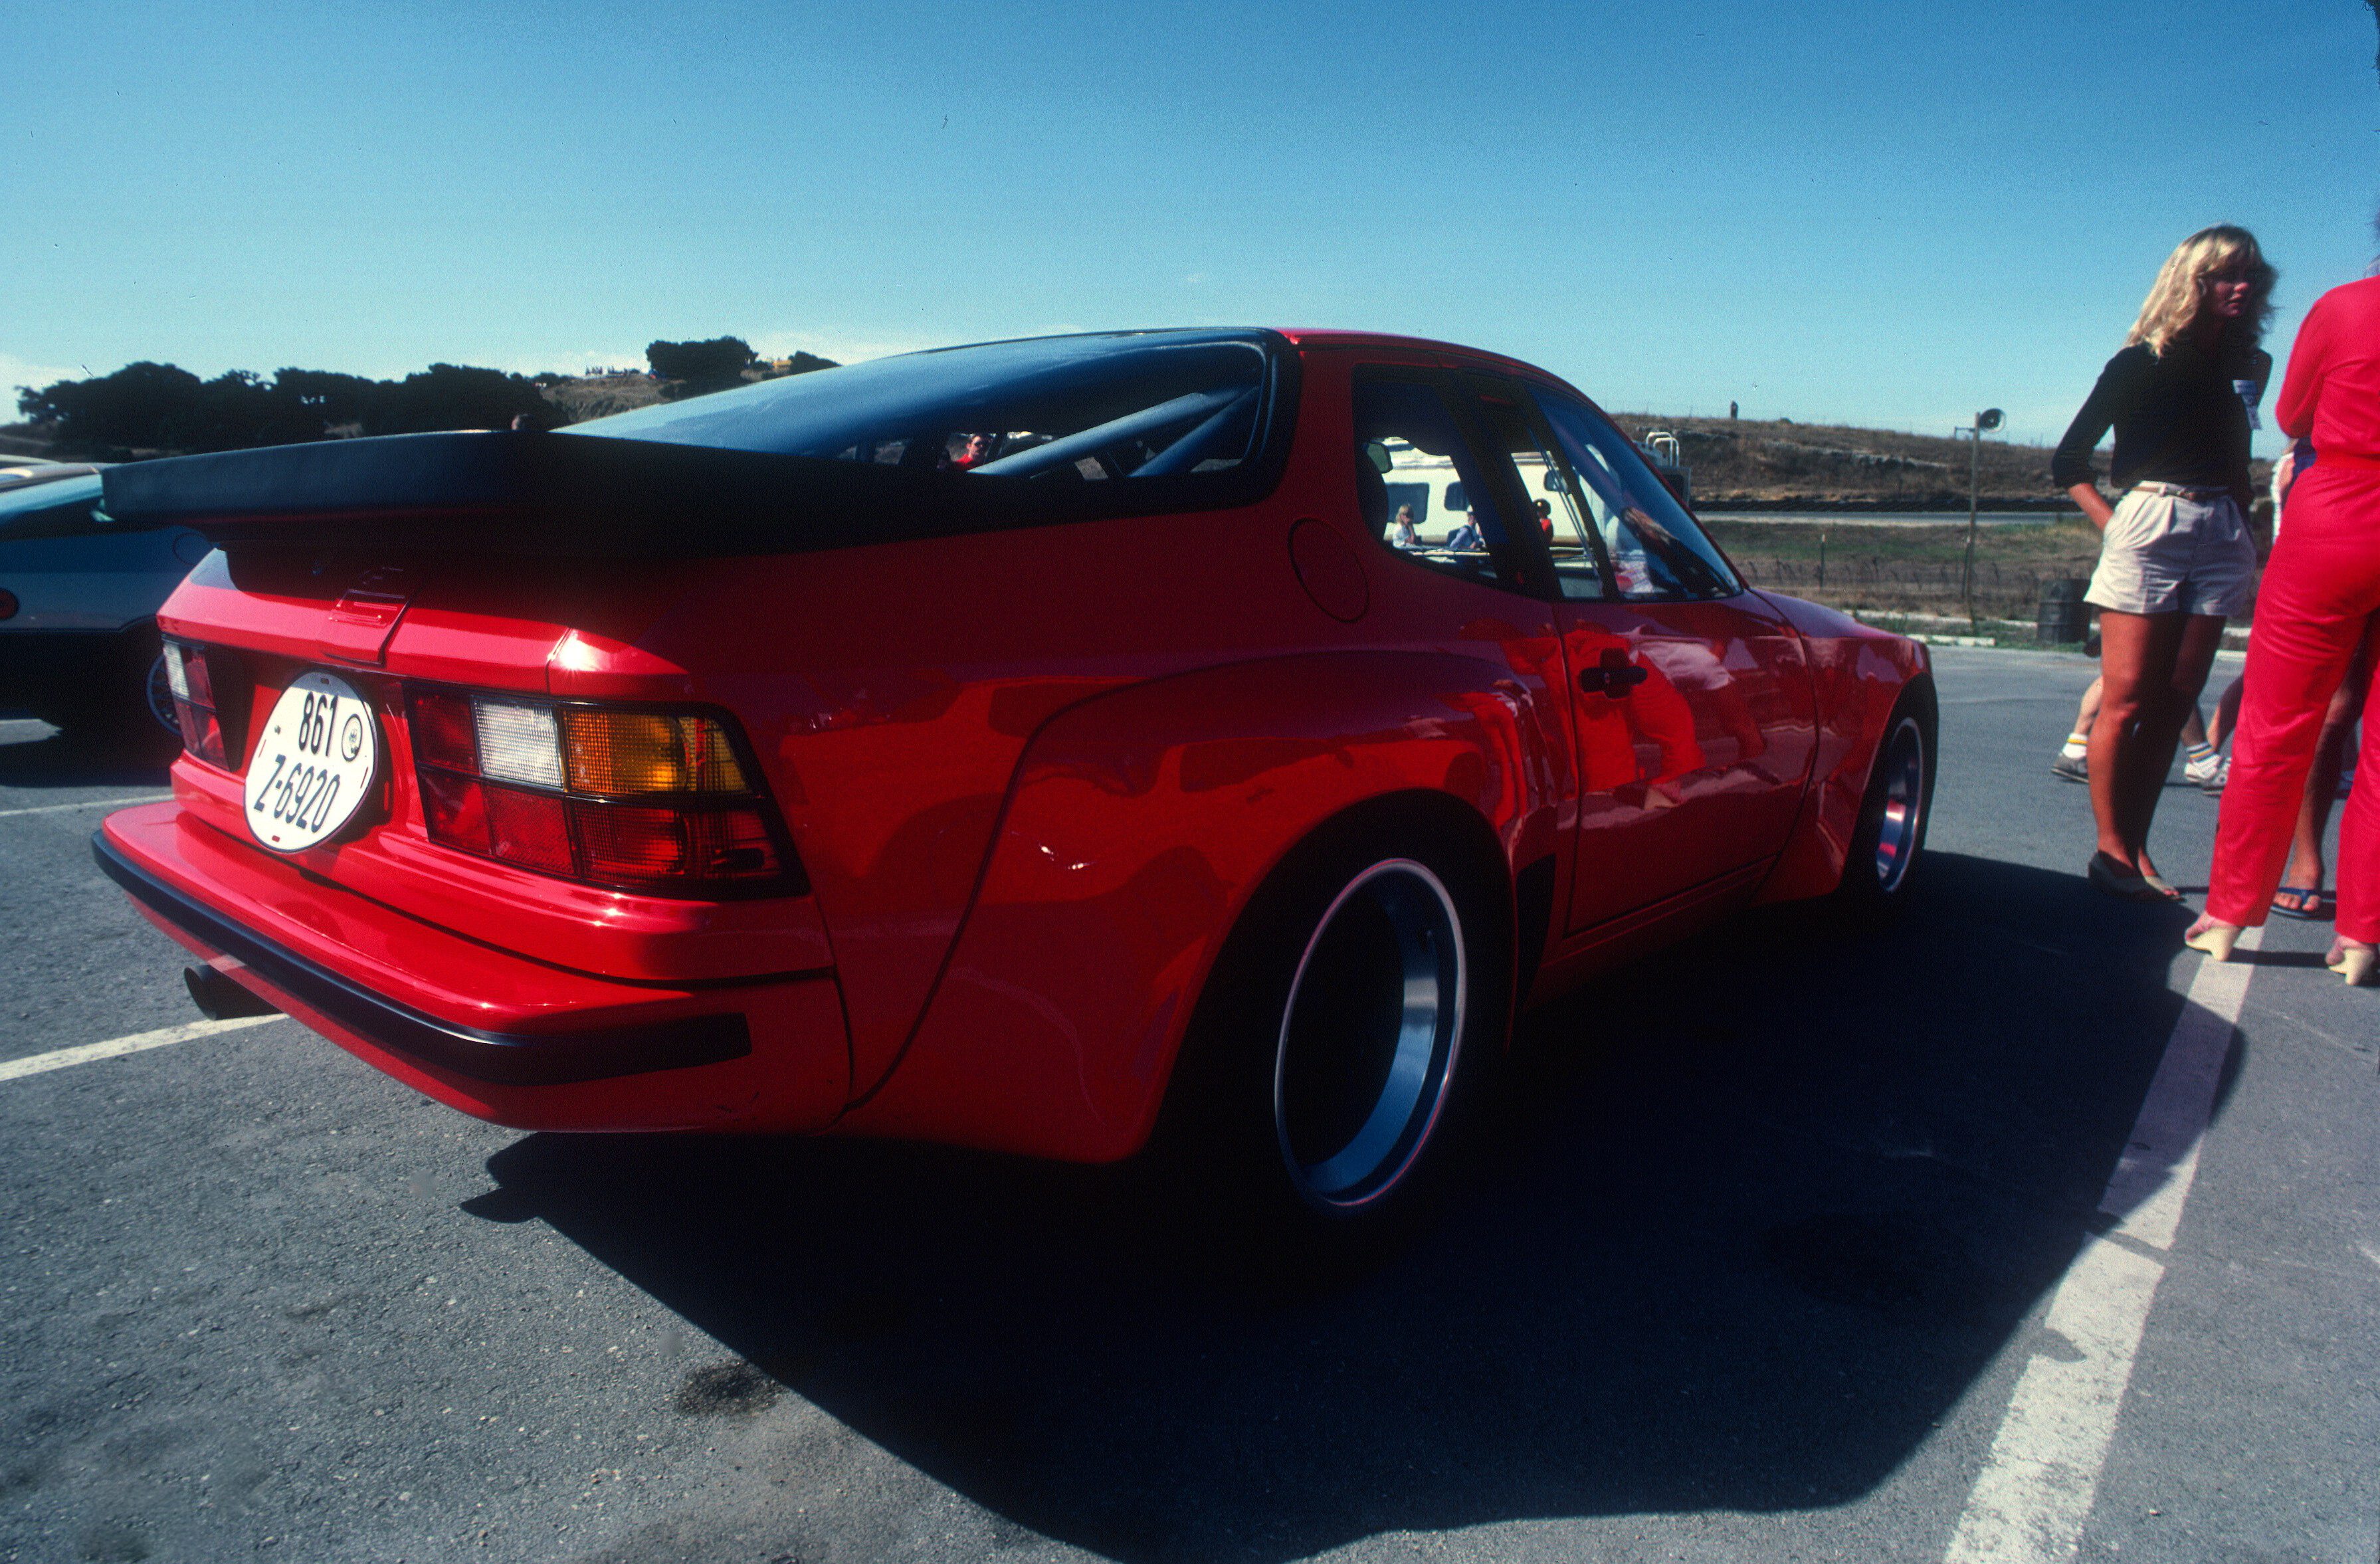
(1613, 674)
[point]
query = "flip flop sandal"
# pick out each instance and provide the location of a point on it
(2308, 906)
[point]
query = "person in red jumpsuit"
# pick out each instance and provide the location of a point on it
(2321, 593)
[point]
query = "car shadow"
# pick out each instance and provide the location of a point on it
(1754, 1215)
(35, 754)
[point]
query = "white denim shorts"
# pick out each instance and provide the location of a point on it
(2169, 550)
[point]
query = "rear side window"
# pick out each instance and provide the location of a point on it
(1419, 483)
(1189, 414)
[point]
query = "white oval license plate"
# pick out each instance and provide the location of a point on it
(314, 764)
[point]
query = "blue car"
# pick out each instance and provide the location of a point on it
(79, 599)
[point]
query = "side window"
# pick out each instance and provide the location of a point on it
(1506, 422)
(1654, 549)
(1420, 484)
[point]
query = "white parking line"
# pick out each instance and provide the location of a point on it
(2035, 1492)
(84, 1053)
(88, 803)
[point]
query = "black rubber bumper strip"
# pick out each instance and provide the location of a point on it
(510, 1059)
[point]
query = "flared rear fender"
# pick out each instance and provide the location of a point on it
(1138, 826)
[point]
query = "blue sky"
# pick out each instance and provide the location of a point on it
(1877, 212)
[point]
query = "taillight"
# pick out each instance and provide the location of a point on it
(643, 800)
(194, 702)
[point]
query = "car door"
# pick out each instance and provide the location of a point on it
(1692, 707)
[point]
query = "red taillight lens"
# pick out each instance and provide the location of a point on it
(529, 828)
(645, 800)
(194, 702)
(632, 842)
(201, 732)
(455, 808)
(442, 731)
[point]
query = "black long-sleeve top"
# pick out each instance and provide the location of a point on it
(2179, 419)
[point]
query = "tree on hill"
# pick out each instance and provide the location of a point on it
(803, 363)
(455, 396)
(699, 367)
(141, 406)
(151, 410)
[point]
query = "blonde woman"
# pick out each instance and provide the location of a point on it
(2176, 559)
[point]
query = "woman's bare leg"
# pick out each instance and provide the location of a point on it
(2153, 666)
(2227, 713)
(2136, 660)
(2195, 640)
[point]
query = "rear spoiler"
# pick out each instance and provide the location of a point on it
(588, 496)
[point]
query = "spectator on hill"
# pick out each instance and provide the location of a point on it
(2177, 559)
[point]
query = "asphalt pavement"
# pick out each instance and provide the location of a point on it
(1784, 1247)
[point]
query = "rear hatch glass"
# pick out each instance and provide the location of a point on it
(1130, 409)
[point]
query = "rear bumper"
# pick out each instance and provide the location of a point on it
(509, 1059)
(495, 1034)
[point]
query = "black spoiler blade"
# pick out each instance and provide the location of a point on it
(524, 492)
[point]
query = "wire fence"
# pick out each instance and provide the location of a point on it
(1927, 585)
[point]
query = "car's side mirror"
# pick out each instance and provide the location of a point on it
(1376, 452)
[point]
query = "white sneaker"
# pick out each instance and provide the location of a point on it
(2207, 775)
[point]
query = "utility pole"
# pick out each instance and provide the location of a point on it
(1987, 420)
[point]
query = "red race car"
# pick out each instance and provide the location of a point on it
(1039, 745)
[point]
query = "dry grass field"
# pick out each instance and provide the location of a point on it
(1886, 568)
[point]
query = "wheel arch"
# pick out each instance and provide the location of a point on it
(1140, 827)
(1859, 677)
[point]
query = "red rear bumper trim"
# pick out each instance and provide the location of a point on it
(507, 1058)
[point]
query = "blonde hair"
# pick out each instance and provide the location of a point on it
(2174, 299)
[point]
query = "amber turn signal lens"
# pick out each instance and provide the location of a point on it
(631, 752)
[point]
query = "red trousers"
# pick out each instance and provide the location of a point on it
(2320, 590)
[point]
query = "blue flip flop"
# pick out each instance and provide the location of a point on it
(2310, 902)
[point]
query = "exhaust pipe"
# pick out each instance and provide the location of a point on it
(219, 998)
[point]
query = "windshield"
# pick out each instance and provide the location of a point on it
(1062, 410)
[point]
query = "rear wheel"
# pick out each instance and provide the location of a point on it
(1349, 1027)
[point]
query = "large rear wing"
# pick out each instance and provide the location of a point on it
(584, 496)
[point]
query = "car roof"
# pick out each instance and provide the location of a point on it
(1327, 337)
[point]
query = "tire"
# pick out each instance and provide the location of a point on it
(157, 694)
(1894, 814)
(114, 696)
(1346, 1038)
